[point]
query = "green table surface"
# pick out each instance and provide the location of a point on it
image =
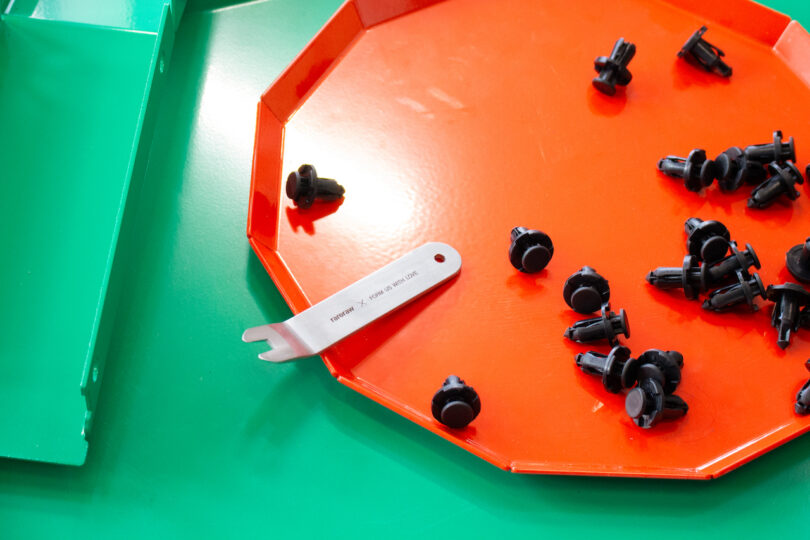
(195, 437)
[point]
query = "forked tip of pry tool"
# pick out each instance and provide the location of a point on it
(283, 346)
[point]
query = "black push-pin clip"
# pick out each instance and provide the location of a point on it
(455, 404)
(617, 369)
(751, 172)
(789, 298)
(798, 261)
(706, 240)
(775, 151)
(733, 170)
(585, 290)
(696, 170)
(690, 277)
(648, 404)
(738, 261)
(699, 51)
(803, 397)
(745, 290)
(530, 251)
(608, 326)
(804, 318)
(668, 362)
(782, 181)
(613, 69)
(727, 165)
(304, 187)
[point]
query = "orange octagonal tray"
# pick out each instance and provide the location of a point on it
(455, 121)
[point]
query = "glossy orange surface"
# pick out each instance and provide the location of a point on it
(461, 120)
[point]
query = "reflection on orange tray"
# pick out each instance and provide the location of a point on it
(458, 120)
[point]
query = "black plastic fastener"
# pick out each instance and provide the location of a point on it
(788, 298)
(696, 169)
(668, 362)
(804, 318)
(733, 169)
(304, 187)
(702, 53)
(647, 404)
(707, 240)
(530, 250)
(751, 172)
(691, 277)
(781, 182)
(797, 261)
(586, 290)
(613, 69)
(738, 261)
(455, 404)
(727, 166)
(776, 151)
(608, 326)
(802, 405)
(617, 369)
(745, 290)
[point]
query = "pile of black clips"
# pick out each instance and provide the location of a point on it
(650, 379)
(769, 166)
(724, 277)
(709, 268)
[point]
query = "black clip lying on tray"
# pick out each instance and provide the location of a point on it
(699, 51)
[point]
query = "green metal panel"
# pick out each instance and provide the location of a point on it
(72, 106)
(195, 438)
(142, 15)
